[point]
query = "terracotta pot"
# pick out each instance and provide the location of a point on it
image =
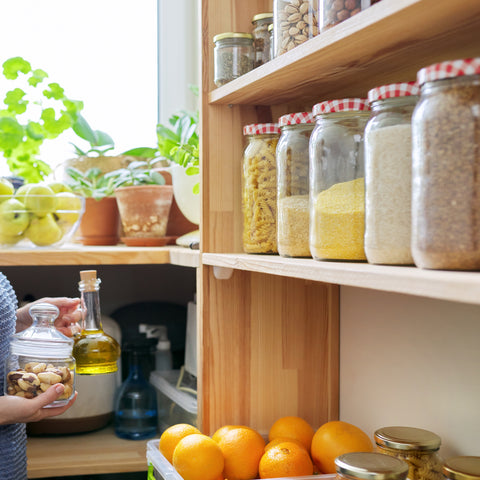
(100, 224)
(144, 212)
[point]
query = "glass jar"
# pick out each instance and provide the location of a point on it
(462, 468)
(41, 356)
(337, 203)
(446, 162)
(369, 466)
(261, 37)
(259, 188)
(415, 446)
(270, 34)
(388, 172)
(233, 56)
(294, 22)
(292, 177)
(333, 12)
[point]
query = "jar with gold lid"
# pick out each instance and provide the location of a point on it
(261, 37)
(416, 446)
(369, 466)
(462, 468)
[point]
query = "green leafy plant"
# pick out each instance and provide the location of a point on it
(139, 172)
(34, 111)
(100, 142)
(92, 183)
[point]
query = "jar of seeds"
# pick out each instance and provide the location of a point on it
(415, 446)
(333, 12)
(233, 56)
(446, 162)
(295, 22)
(259, 188)
(261, 37)
(337, 203)
(388, 172)
(292, 176)
(462, 468)
(369, 466)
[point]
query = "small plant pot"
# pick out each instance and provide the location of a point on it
(144, 212)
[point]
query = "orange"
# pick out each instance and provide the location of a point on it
(293, 427)
(222, 430)
(278, 440)
(198, 457)
(242, 448)
(172, 435)
(336, 438)
(287, 459)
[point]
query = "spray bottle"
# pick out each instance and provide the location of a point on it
(163, 353)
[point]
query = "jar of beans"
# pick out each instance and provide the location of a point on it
(292, 165)
(337, 203)
(388, 172)
(294, 22)
(446, 162)
(369, 466)
(415, 446)
(261, 37)
(462, 468)
(259, 188)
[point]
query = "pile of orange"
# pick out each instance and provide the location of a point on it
(238, 452)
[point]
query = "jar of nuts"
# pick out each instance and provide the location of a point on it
(333, 12)
(295, 22)
(40, 357)
(261, 37)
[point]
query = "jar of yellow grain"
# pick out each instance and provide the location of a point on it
(259, 188)
(337, 191)
(292, 164)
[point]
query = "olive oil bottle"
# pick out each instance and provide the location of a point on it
(95, 352)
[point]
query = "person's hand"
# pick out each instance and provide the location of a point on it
(15, 409)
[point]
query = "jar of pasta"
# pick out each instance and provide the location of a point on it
(337, 203)
(369, 466)
(462, 468)
(388, 172)
(418, 447)
(292, 175)
(261, 37)
(259, 188)
(446, 162)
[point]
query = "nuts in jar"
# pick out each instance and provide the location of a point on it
(332, 12)
(261, 37)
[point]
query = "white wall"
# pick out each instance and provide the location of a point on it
(411, 361)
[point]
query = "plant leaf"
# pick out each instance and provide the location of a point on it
(13, 65)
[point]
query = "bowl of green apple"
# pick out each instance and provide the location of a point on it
(38, 214)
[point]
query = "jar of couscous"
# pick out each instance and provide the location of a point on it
(369, 466)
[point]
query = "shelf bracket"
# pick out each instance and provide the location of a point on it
(222, 273)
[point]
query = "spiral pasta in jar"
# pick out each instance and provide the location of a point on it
(259, 188)
(415, 446)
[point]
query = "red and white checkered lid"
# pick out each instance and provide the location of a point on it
(449, 69)
(393, 90)
(261, 129)
(342, 105)
(295, 118)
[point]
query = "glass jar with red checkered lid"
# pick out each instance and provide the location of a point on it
(388, 172)
(337, 204)
(293, 182)
(446, 167)
(259, 188)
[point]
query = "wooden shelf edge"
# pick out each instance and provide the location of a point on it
(446, 285)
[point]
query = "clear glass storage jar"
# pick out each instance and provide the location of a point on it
(259, 188)
(261, 37)
(293, 182)
(388, 171)
(40, 356)
(369, 466)
(233, 56)
(337, 203)
(462, 468)
(446, 162)
(333, 12)
(294, 22)
(415, 446)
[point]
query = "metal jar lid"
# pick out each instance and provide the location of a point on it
(223, 36)
(462, 468)
(371, 466)
(407, 438)
(262, 16)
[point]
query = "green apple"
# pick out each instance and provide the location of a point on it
(10, 239)
(69, 208)
(59, 187)
(40, 199)
(20, 192)
(14, 218)
(6, 189)
(43, 231)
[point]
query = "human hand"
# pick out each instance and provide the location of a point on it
(15, 409)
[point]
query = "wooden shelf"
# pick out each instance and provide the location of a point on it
(446, 285)
(84, 454)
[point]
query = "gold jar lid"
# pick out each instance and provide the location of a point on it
(371, 466)
(262, 16)
(462, 468)
(407, 438)
(223, 36)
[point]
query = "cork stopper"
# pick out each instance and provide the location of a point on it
(89, 280)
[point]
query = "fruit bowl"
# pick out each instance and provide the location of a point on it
(30, 220)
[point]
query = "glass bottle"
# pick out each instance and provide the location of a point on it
(261, 37)
(259, 188)
(337, 192)
(369, 466)
(415, 446)
(94, 350)
(292, 177)
(462, 468)
(388, 172)
(136, 415)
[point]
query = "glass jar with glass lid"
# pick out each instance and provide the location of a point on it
(337, 203)
(462, 468)
(369, 466)
(416, 446)
(261, 37)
